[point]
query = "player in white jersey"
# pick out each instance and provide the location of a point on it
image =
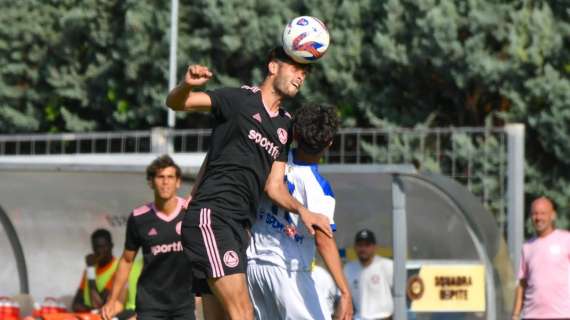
(281, 251)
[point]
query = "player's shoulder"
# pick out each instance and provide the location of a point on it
(231, 93)
(312, 178)
(142, 210)
(563, 233)
(383, 261)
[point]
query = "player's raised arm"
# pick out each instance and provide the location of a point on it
(182, 98)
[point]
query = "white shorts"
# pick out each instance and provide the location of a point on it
(280, 294)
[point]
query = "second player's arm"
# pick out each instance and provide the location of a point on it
(182, 98)
(329, 252)
(115, 303)
(278, 193)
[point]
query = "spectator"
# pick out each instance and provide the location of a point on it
(98, 276)
(543, 291)
(370, 280)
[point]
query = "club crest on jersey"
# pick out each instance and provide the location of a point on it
(282, 133)
(179, 228)
(231, 259)
(290, 231)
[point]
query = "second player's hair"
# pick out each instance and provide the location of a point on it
(315, 126)
(160, 163)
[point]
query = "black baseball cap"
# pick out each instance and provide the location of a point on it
(365, 235)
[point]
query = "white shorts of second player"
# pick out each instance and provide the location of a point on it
(280, 294)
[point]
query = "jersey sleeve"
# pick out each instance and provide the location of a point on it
(320, 197)
(222, 108)
(132, 239)
(283, 156)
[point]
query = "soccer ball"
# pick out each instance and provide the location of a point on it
(305, 39)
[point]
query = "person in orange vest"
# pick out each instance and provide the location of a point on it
(97, 279)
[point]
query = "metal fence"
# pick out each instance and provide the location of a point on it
(476, 157)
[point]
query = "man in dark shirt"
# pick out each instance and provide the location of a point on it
(248, 153)
(164, 286)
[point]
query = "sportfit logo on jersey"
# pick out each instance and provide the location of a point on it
(265, 143)
(166, 248)
(289, 230)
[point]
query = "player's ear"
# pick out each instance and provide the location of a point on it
(149, 181)
(273, 67)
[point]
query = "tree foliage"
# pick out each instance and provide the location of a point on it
(73, 65)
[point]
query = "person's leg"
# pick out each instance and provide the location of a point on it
(198, 251)
(279, 294)
(262, 290)
(216, 248)
(309, 304)
(231, 290)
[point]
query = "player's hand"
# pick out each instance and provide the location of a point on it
(344, 310)
(110, 309)
(197, 75)
(313, 220)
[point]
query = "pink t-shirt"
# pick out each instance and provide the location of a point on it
(545, 264)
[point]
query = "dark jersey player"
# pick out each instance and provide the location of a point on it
(164, 286)
(247, 156)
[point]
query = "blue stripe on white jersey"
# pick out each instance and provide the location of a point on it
(322, 181)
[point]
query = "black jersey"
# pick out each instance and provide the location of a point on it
(246, 139)
(164, 285)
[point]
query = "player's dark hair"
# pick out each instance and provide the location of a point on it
(160, 163)
(278, 53)
(101, 233)
(314, 127)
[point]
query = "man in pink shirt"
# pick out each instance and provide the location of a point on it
(543, 291)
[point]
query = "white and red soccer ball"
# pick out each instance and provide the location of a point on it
(306, 39)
